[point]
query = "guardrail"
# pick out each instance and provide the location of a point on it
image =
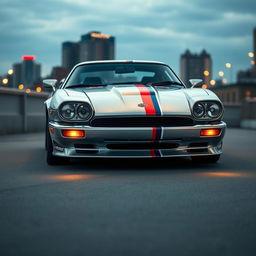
(21, 111)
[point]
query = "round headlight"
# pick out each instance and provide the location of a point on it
(198, 110)
(67, 111)
(213, 110)
(84, 111)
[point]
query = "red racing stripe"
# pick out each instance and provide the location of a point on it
(152, 153)
(146, 99)
(153, 133)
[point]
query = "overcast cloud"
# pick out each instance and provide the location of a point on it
(144, 29)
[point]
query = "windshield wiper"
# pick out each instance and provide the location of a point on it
(83, 85)
(167, 83)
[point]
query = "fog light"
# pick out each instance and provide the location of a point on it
(73, 133)
(210, 132)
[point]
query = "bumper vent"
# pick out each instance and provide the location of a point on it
(141, 146)
(141, 121)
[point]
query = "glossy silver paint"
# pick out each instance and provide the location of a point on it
(125, 100)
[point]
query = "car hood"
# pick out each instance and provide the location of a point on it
(138, 99)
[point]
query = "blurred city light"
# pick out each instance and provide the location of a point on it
(28, 57)
(225, 81)
(28, 90)
(252, 62)
(5, 81)
(204, 86)
(221, 73)
(228, 65)
(212, 82)
(251, 54)
(21, 87)
(206, 73)
(38, 89)
(100, 35)
(10, 71)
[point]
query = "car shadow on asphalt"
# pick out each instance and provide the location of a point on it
(134, 165)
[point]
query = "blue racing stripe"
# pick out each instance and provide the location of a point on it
(157, 153)
(158, 133)
(154, 100)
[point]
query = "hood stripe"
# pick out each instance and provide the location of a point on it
(148, 96)
(154, 99)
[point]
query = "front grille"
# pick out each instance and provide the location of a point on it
(141, 146)
(143, 121)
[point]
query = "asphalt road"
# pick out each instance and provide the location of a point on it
(127, 207)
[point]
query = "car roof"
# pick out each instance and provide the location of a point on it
(120, 61)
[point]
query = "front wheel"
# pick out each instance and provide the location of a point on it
(50, 158)
(206, 159)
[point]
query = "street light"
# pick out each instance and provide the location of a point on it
(10, 72)
(251, 54)
(5, 81)
(38, 89)
(221, 73)
(212, 82)
(228, 65)
(21, 86)
(206, 73)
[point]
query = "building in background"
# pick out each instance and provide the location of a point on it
(97, 46)
(249, 75)
(197, 66)
(28, 72)
(58, 73)
(92, 46)
(70, 54)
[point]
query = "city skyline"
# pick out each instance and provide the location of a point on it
(160, 30)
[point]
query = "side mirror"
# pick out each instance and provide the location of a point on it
(195, 82)
(50, 83)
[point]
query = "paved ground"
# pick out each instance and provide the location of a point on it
(127, 207)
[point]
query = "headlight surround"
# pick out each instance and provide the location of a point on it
(213, 110)
(207, 110)
(75, 111)
(84, 111)
(199, 110)
(67, 111)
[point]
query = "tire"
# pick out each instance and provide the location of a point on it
(206, 159)
(50, 158)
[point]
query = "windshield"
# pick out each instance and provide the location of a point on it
(121, 73)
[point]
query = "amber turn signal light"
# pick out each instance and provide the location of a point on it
(210, 132)
(73, 133)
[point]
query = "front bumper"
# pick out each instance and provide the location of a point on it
(136, 142)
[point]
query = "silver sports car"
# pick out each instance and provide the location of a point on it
(132, 109)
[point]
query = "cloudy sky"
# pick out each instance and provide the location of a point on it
(144, 29)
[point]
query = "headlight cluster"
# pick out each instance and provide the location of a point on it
(75, 111)
(207, 110)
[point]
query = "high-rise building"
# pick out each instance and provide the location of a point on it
(97, 46)
(196, 66)
(70, 55)
(27, 72)
(93, 46)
